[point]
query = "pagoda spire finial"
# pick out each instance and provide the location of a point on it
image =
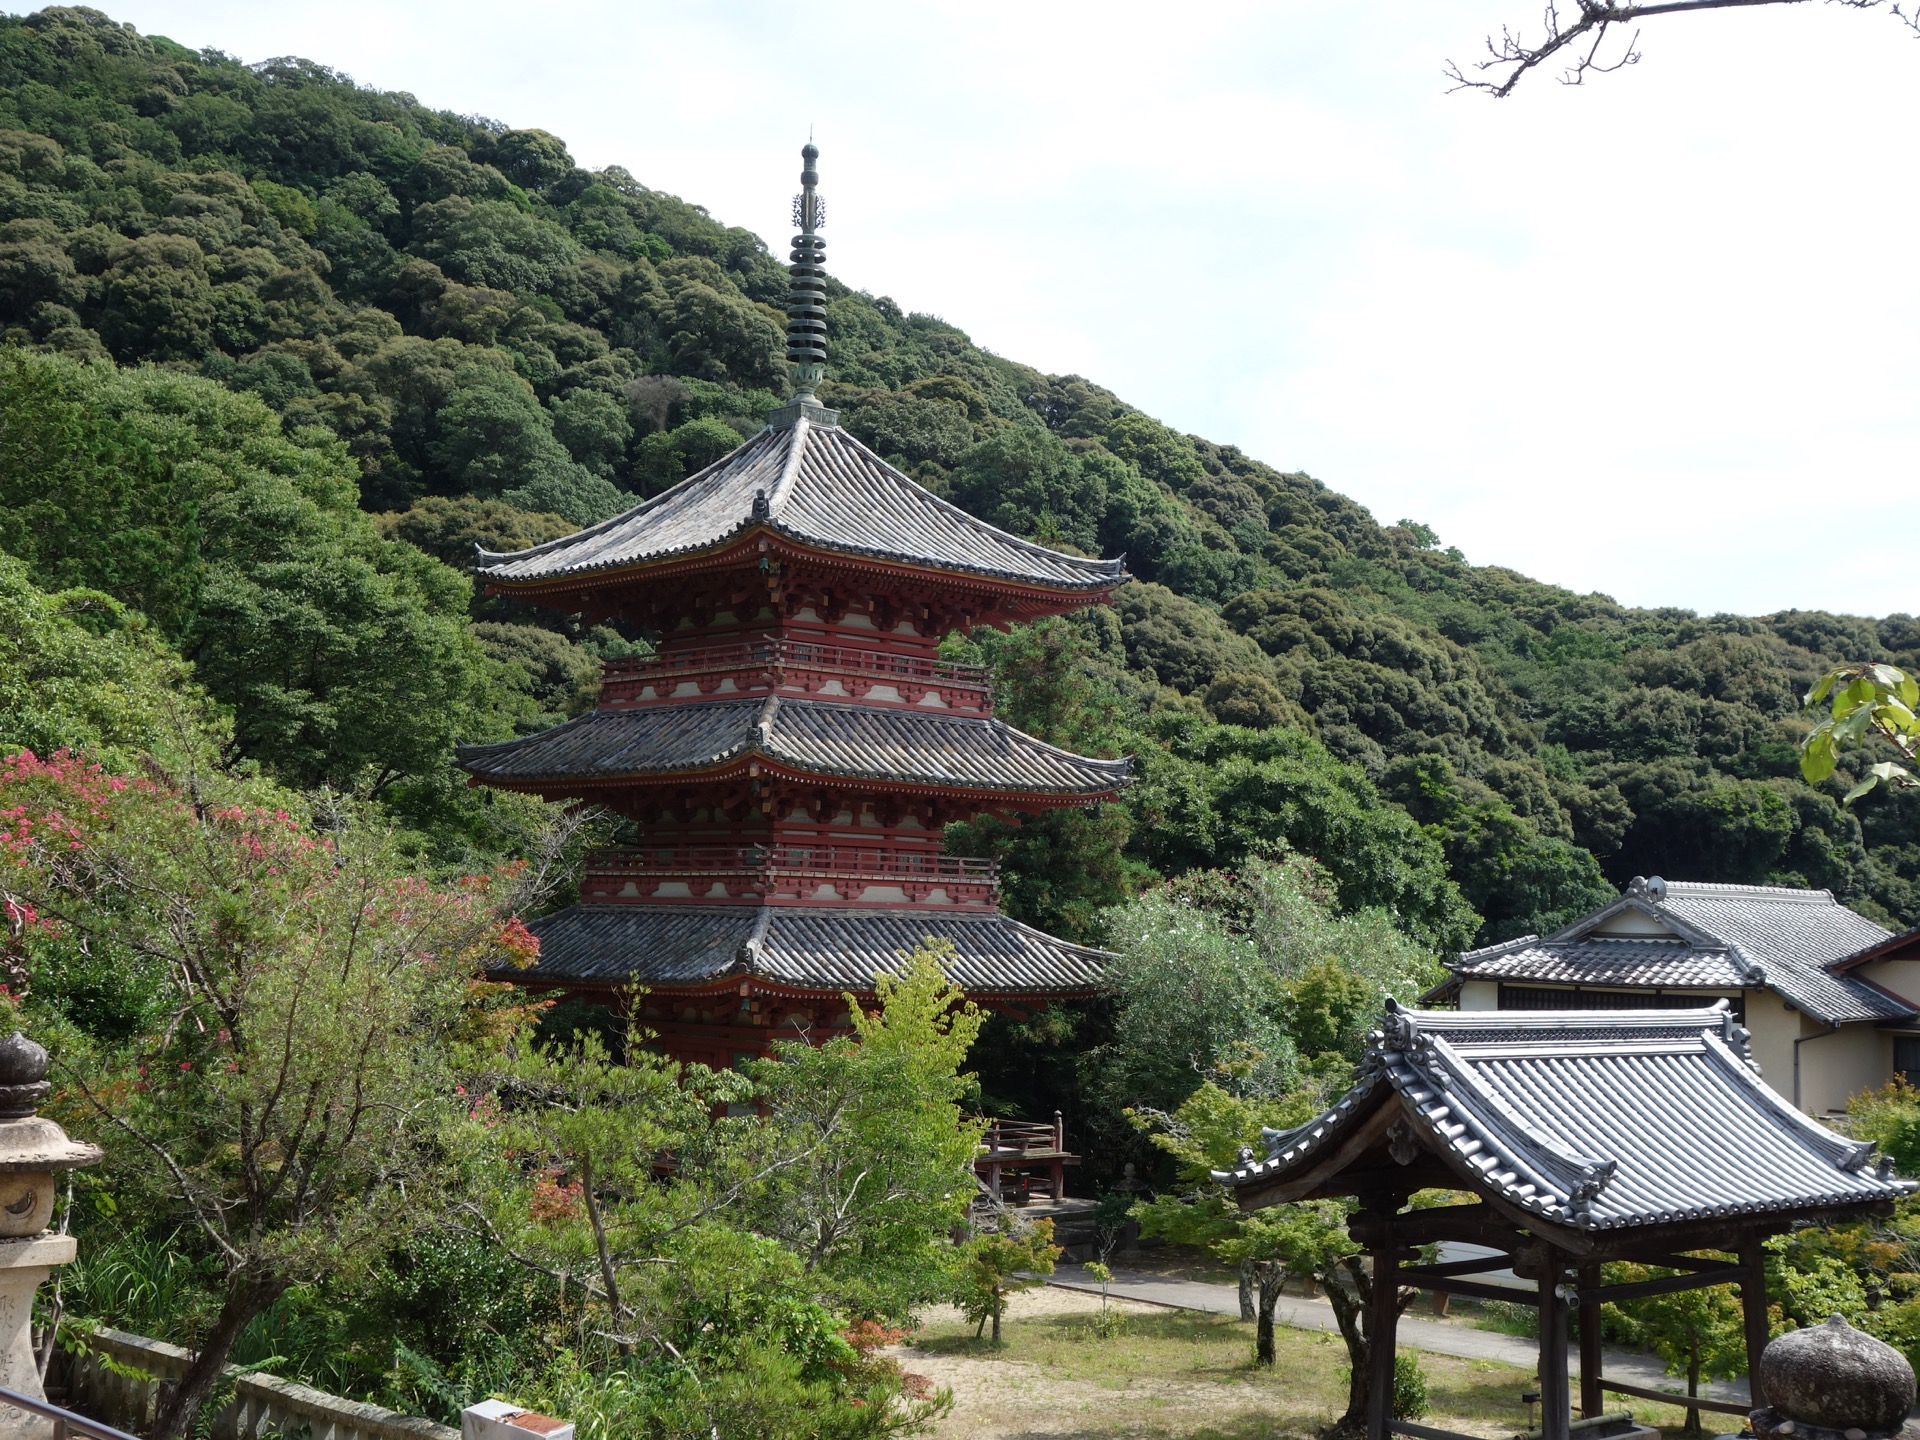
(807, 285)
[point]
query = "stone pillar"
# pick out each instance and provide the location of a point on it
(33, 1151)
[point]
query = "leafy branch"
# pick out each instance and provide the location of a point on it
(1864, 701)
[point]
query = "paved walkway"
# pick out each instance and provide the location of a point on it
(1436, 1336)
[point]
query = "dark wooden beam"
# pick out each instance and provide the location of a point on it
(1667, 1397)
(1474, 1289)
(1667, 1261)
(1667, 1284)
(1478, 1265)
(1475, 1224)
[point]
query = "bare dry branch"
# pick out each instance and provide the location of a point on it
(1582, 39)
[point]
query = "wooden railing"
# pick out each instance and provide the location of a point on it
(1024, 1136)
(789, 874)
(853, 861)
(796, 654)
(879, 677)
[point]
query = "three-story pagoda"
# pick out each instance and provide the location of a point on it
(793, 749)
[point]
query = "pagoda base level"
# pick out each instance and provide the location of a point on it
(725, 1025)
(709, 979)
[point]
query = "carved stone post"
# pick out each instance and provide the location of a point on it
(32, 1151)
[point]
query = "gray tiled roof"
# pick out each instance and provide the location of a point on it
(1596, 1121)
(909, 747)
(1655, 964)
(1724, 937)
(823, 488)
(810, 948)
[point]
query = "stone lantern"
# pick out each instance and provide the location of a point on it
(1830, 1382)
(32, 1151)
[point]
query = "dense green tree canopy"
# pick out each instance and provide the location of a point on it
(438, 310)
(344, 657)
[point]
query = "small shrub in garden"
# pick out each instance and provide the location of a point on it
(1409, 1387)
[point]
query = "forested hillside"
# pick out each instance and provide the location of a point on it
(280, 349)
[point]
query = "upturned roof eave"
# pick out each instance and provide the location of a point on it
(749, 948)
(729, 984)
(742, 540)
(732, 765)
(771, 509)
(761, 743)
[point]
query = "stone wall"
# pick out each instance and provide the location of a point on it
(262, 1405)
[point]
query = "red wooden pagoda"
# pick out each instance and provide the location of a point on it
(795, 746)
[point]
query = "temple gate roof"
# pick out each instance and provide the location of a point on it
(1585, 1121)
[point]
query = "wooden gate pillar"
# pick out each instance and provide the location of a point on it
(1753, 1305)
(1591, 1402)
(1544, 1267)
(1383, 1323)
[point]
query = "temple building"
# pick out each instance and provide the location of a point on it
(793, 749)
(1831, 999)
(1569, 1140)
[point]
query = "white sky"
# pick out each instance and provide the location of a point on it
(1656, 336)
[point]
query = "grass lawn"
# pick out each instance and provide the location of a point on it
(1176, 1375)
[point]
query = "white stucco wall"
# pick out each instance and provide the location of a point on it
(1773, 1028)
(1835, 1065)
(1902, 977)
(1479, 995)
(1834, 1068)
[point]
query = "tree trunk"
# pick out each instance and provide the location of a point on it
(246, 1297)
(1349, 1310)
(1359, 1366)
(1693, 1393)
(1272, 1277)
(1246, 1290)
(996, 1324)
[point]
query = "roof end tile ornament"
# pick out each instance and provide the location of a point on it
(1397, 1031)
(1594, 1178)
(1737, 1036)
(806, 303)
